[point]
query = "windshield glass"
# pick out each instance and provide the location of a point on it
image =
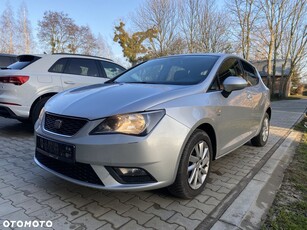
(179, 70)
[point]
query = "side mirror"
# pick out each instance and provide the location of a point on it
(233, 83)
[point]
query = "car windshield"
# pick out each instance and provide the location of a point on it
(179, 70)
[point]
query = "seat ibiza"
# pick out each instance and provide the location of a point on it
(159, 124)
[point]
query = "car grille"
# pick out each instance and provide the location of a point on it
(63, 125)
(79, 171)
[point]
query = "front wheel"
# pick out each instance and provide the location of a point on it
(194, 166)
(262, 138)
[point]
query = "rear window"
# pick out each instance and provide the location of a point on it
(6, 61)
(23, 61)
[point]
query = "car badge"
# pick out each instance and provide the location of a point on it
(58, 124)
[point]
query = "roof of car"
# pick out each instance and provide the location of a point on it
(67, 55)
(224, 55)
(83, 55)
(202, 54)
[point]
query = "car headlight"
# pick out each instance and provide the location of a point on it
(132, 124)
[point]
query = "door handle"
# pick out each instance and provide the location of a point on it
(69, 82)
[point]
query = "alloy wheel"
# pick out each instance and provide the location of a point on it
(198, 166)
(265, 129)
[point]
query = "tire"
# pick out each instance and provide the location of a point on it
(37, 109)
(24, 121)
(195, 161)
(262, 138)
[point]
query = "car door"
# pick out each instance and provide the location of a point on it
(233, 112)
(81, 72)
(254, 95)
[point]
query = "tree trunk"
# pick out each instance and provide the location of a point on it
(286, 87)
(270, 57)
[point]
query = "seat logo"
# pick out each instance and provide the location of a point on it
(58, 124)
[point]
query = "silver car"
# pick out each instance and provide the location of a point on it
(158, 124)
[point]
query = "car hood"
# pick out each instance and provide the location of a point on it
(103, 100)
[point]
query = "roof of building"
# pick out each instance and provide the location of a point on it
(262, 67)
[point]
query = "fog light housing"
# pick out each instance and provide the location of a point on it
(130, 172)
(130, 175)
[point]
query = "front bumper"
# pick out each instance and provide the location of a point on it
(158, 154)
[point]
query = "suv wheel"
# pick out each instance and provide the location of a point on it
(262, 138)
(37, 109)
(194, 166)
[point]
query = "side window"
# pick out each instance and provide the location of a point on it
(215, 85)
(230, 67)
(249, 73)
(58, 66)
(111, 69)
(79, 66)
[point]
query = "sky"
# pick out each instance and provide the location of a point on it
(100, 15)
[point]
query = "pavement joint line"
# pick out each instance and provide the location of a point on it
(228, 223)
(225, 203)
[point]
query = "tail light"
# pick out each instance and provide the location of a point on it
(16, 80)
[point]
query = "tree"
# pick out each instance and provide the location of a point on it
(276, 14)
(295, 42)
(7, 25)
(190, 13)
(25, 39)
(132, 45)
(79, 34)
(60, 33)
(55, 30)
(90, 45)
(244, 15)
(103, 48)
(214, 29)
(161, 15)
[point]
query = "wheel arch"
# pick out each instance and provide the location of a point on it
(38, 99)
(206, 127)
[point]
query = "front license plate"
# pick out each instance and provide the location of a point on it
(57, 150)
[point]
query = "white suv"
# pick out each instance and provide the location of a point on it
(26, 85)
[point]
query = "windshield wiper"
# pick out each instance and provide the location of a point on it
(141, 82)
(110, 81)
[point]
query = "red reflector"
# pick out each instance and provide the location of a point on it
(8, 103)
(16, 80)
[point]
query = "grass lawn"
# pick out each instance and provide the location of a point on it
(289, 209)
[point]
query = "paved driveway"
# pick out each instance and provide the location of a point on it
(29, 193)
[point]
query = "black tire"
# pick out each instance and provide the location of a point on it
(37, 109)
(262, 138)
(24, 121)
(182, 187)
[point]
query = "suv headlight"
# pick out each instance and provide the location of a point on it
(132, 124)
